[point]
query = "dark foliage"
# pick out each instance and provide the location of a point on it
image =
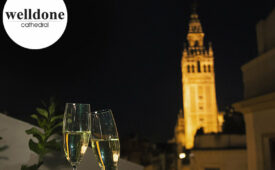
(233, 122)
(49, 122)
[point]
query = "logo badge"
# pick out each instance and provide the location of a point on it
(35, 24)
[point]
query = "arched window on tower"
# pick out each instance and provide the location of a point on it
(193, 68)
(209, 68)
(199, 66)
(196, 44)
(194, 29)
(188, 69)
(204, 68)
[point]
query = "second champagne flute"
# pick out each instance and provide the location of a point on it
(104, 139)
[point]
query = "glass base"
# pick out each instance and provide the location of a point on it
(110, 168)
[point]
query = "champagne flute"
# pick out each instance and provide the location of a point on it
(76, 131)
(105, 140)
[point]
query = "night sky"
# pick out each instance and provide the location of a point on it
(125, 55)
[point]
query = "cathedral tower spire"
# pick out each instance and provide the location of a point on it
(195, 33)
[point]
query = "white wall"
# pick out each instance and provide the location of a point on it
(18, 153)
(233, 159)
(266, 34)
(220, 141)
(259, 128)
(259, 93)
(258, 74)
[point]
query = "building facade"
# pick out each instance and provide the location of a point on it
(198, 81)
(258, 105)
(219, 152)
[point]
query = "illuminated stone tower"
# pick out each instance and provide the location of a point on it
(198, 79)
(179, 130)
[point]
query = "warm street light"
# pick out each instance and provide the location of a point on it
(182, 155)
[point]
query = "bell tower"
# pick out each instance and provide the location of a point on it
(195, 34)
(198, 81)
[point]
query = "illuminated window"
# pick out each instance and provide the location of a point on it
(188, 69)
(209, 68)
(193, 68)
(201, 107)
(199, 66)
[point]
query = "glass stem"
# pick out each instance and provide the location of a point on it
(74, 168)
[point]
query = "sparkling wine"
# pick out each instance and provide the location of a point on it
(75, 145)
(106, 151)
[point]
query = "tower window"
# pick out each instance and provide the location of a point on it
(188, 68)
(199, 66)
(193, 68)
(204, 68)
(194, 29)
(200, 97)
(209, 68)
(196, 43)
